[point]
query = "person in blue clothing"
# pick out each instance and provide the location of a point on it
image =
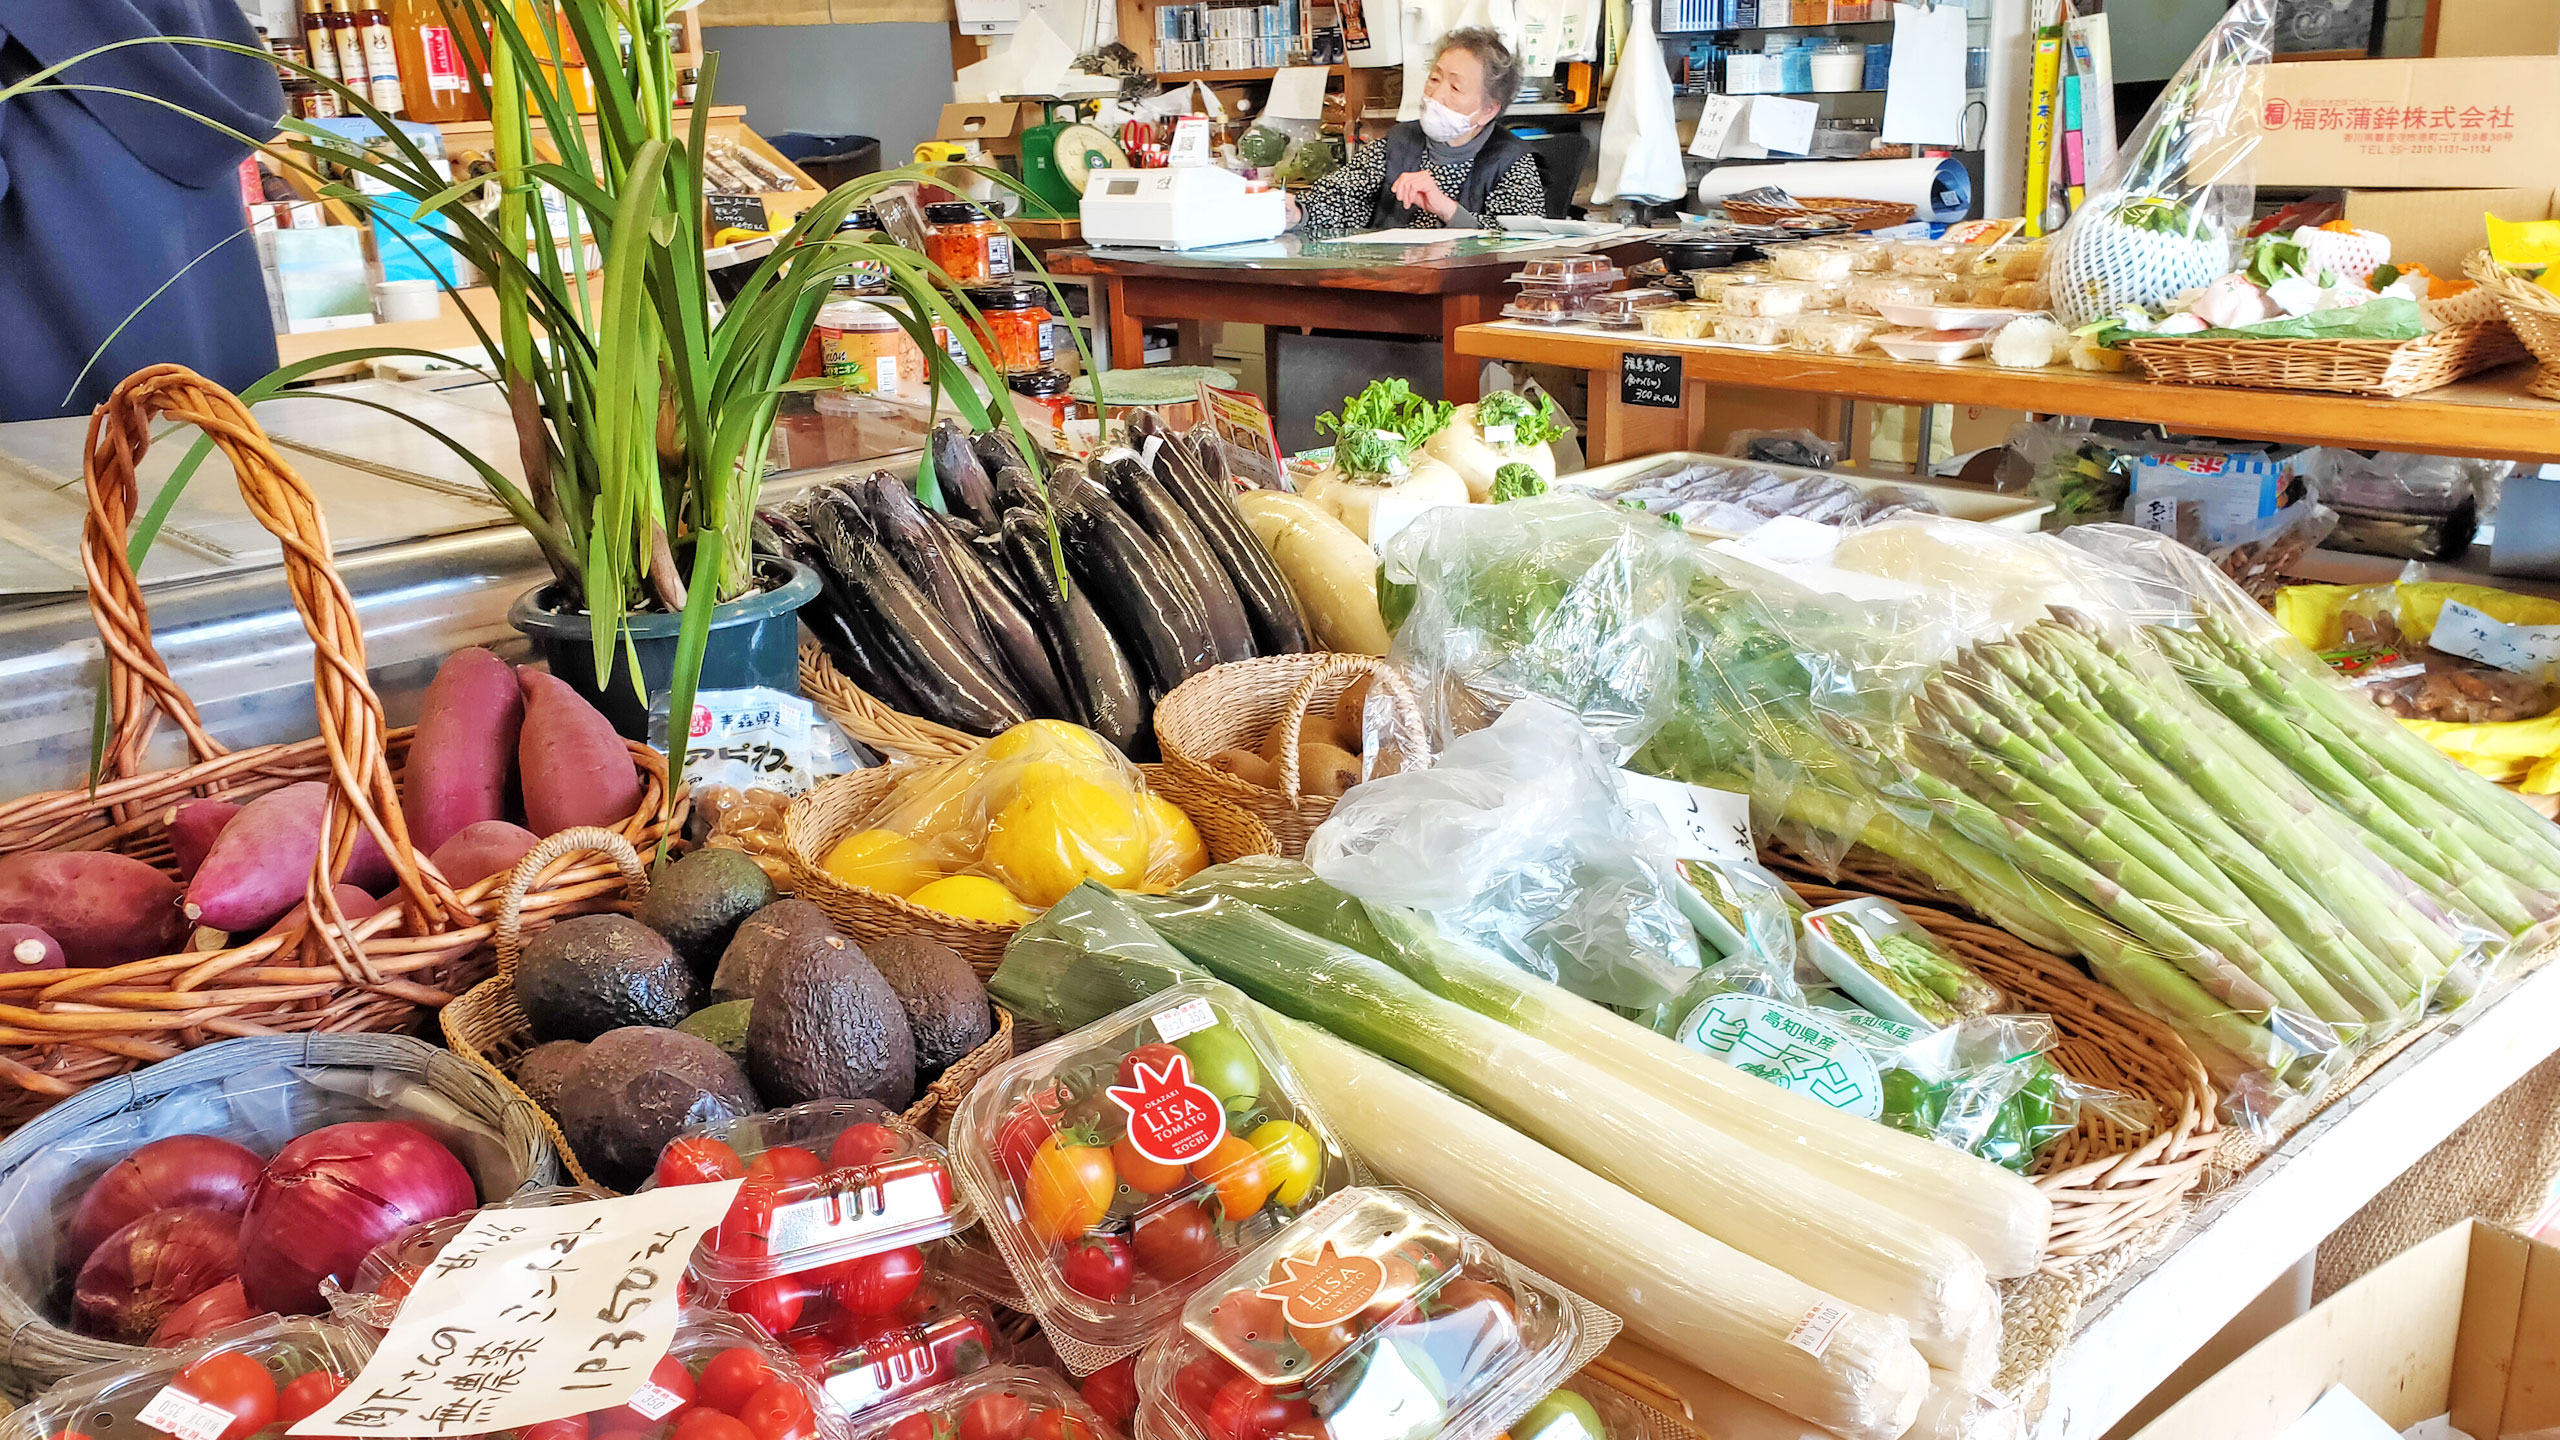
(104, 199)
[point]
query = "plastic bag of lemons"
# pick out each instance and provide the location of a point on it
(1003, 832)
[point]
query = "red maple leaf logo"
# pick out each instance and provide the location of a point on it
(1172, 1120)
(1327, 1290)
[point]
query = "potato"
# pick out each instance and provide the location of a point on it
(1326, 770)
(1248, 767)
(260, 864)
(103, 908)
(462, 762)
(482, 849)
(192, 826)
(576, 769)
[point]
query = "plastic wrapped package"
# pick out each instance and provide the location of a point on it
(1795, 446)
(2083, 474)
(862, 1362)
(1868, 294)
(1871, 950)
(1738, 908)
(1959, 1411)
(107, 1402)
(1681, 322)
(2409, 507)
(372, 1296)
(1771, 299)
(1734, 328)
(1812, 260)
(2260, 557)
(1377, 1318)
(1930, 257)
(1179, 1103)
(1835, 334)
(2381, 647)
(1004, 1400)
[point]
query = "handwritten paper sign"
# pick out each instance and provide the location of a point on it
(2475, 635)
(531, 1315)
(1705, 824)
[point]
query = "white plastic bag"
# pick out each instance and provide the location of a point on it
(1640, 135)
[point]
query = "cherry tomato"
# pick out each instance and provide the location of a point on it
(1147, 1177)
(1112, 1391)
(774, 1304)
(1100, 1266)
(1196, 1385)
(1322, 1345)
(669, 1375)
(573, 1428)
(708, 1424)
(1177, 1242)
(232, 1382)
(1242, 1176)
(1289, 1151)
(745, 1232)
(69, 1435)
(1156, 1057)
(304, 1394)
(697, 1160)
(1057, 1424)
(1069, 1188)
(865, 1144)
(732, 1376)
(789, 1162)
(779, 1412)
(814, 1349)
(994, 1416)
(878, 1284)
(1019, 1137)
(918, 1426)
(395, 1286)
(1247, 1409)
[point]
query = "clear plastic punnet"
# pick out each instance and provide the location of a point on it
(863, 1362)
(994, 1404)
(185, 1389)
(827, 1182)
(1374, 1317)
(372, 1296)
(1122, 1166)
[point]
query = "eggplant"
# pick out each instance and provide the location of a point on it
(966, 490)
(838, 624)
(1010, 634)
(903, 527)
(997, 453)
(1104, 688)
(1165, 522)
(1269, 604)
(943, 673)
(1017, 489)
(1151, 604)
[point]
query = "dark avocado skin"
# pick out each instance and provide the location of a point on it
(545, 1069)
(639, 1087)
(724, 1025)
(594, 973)
(827, 1027)
(699, 902)
(946, 1004)
(781, 929)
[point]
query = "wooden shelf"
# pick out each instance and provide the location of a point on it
(1185, 77)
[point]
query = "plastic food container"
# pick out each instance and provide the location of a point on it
(1568, 270)
(828, 1182)
(862, 1362)
(1112, 1168)
(1813, 260)
(1855, 943)
(1977, 287)
(1682, 322)
(1735, 328)
(1839, 66)
(1930, 257)
(1834, 334)
(1551, 306)
(1013, 323)
(1769, 298)
(109, 1402)
(1628, 307)
(969, 247)
(1374, 1318)
(372, 1296)
(1005, 1400)
(1867, 254)
(1867, 292)
(1943, 347)
(861, 344)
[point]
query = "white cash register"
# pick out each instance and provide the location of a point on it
(1184, 207)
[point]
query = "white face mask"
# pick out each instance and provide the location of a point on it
(1444, 124)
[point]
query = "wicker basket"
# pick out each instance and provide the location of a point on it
(38, 1352)
(893, 734)
(62, 1030)
(1859, 214)
(2533, 313)
(1234, 707)
(2390, 368)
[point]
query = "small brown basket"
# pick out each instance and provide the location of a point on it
(2387, 368)
(838, 807)
(1857, 214)
(894, 734)
(2531, 311)
(1234, 706)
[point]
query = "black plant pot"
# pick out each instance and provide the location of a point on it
(755, 641)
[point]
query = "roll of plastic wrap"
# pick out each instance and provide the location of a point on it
(1939, 189)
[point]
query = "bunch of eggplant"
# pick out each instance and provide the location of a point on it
(962, 616)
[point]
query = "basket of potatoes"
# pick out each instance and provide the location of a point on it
(1283, 736)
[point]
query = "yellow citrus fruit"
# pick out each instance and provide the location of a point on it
(881, 860)
(1052, 838)
(1175, 851)
(973, 897)
(1050, 737)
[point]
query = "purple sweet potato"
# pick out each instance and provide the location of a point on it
(104, 908)
(576, 769)
(192, 826)
(462, 762)
(482, 849)
(24, 947)
(261, 862)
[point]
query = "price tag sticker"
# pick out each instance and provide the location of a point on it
(1147, 454)
(2468, 632)
(1189, 1017)
(1813, 1333)
(1499, 434)
(1393, 511)
(1705, 824)
(180, 1414)
(655, 1401)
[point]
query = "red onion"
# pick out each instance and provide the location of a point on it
(151, 1267)
(328, 1198)
(224, 1304)
(204, 1171)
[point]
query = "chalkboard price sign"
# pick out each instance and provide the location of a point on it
(738, 212)
(1652, 381)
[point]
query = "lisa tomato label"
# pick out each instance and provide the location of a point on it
(1327, 1290)
(1172, 1119)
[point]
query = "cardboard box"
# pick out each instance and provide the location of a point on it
(2441, 228)
(2405, 124)
(995, 124)
(2496, 27)
(2466, 1323)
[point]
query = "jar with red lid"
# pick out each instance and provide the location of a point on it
(1013, 323)
(970, 247)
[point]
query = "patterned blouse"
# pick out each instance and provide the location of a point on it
(1345, 199)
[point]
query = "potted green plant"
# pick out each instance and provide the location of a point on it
(643, 406)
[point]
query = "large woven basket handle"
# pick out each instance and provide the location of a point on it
(351, 725)
(554, 848)
(1413, 750)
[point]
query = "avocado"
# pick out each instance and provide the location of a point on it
(724, 1025)
(595, 973)
(638, 1087)
(542, 1070)
(699, 902)
(827, 1027)
(785, 927)
(945, 1001)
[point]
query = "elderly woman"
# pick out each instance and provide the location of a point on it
(1452, 168)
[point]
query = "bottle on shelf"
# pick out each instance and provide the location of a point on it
(319, 42)
(436, 64)
(349, 42)
(381, 58)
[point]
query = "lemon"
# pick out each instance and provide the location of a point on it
(1050, 737)
(972, 897)
(1175, 852)
(1071, 830)
(881, 860)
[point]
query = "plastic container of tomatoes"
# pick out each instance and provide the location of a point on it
(862, 1364)
(1121, 1167)
(828, 1183)
(722, 1379)
(969, 1260)
(373, 1295)
(1374, 1317)
(1005, 1403)
(272, 1371)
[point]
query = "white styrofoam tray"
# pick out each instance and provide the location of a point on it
(1964, 502)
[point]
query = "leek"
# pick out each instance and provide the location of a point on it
(1822, 1233)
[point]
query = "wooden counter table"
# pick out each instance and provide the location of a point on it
(2489, 415)
(1427, 291)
